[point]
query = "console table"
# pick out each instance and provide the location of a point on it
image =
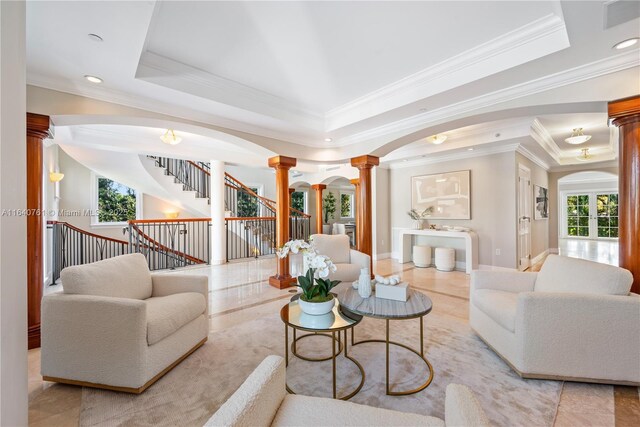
(470, 238)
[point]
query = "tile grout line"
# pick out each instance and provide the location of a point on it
(244, 307)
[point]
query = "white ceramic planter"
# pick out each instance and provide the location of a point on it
(317, 322)
(317, 308)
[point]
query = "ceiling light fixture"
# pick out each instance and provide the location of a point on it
(585, 155)
(469, 149)
(93, 79)
(437, 139)
(577, 137)
(626, 43)
(95, 37)
(170, 137)
(55, 176)
(328, 140)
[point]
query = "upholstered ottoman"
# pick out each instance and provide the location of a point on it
(422, 256)
(445, 259)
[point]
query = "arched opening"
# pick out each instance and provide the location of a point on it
(588, 216)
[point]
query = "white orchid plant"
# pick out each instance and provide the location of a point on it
(315, 285)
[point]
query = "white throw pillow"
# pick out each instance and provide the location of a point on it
(564, 274)
(125, 276)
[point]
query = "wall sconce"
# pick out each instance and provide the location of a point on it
(55, 176)
(171, 214)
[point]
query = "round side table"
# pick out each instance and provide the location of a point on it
(417, 306)
(329, 325)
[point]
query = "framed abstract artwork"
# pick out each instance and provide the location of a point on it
(449, 194)
(541, 202)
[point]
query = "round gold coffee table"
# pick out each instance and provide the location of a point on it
(417, 306)
(329, 325)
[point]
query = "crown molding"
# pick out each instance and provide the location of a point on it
(477, 152)
(541, 37)
(585, 166)
(542, 136)
(577, 74)
(535, 159)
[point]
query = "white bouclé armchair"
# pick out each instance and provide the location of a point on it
(574, 320)
(348, 261)
(117, 326)
(262, 400)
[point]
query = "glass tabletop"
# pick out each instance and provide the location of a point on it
(336, 320)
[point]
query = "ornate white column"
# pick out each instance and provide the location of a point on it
(218, 229)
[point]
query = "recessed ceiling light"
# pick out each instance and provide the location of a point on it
(93, 79)
(626, 43)
(95, 37)
(469, 149)
(422, 110)
(328, 140)
(577, 137)
(437, 139)
(405, 160)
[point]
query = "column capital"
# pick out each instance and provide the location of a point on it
(355, 181)
(624, 110)
(39, 126)
(365, 162)
(319, 187)
(282, 162)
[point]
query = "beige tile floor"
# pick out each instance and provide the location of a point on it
(239, 293)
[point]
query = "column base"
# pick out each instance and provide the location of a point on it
(33, 337)
(282, 282)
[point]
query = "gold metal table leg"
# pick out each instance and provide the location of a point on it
(420, 353)
(286, 345)
(333, 361)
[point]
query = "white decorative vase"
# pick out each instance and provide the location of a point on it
(317, 308)
(364, 283)
(417, 224)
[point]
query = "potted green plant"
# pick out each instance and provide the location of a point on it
(419, 217)
(316, 298)
(329, 208)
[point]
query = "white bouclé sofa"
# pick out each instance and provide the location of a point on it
(574, 320)
(262, 400)
(117, 326)
(348, 261)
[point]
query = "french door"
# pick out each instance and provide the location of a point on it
(591, 215)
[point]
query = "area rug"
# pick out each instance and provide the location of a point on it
(194, 390)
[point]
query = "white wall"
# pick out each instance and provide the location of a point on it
(13, 229)
(493, 205)
(382, 213)
(255, 176)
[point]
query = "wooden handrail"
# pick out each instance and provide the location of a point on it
(150, 221)
(79, 230)
(165, 248)
(250, 218)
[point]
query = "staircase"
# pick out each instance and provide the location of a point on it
(171, 243)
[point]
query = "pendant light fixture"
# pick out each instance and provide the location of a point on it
(170, 137)
(437, 139)
(585, 156)
(577, 137)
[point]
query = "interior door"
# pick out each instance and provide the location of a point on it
(524, 217)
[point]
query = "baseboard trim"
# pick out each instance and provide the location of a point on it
(486, 267)
(540, 257)
(126, 389)
(533, 376)
(383, 255)
(555, 251)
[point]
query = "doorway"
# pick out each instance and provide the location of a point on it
(591, 215)
(524, 217)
